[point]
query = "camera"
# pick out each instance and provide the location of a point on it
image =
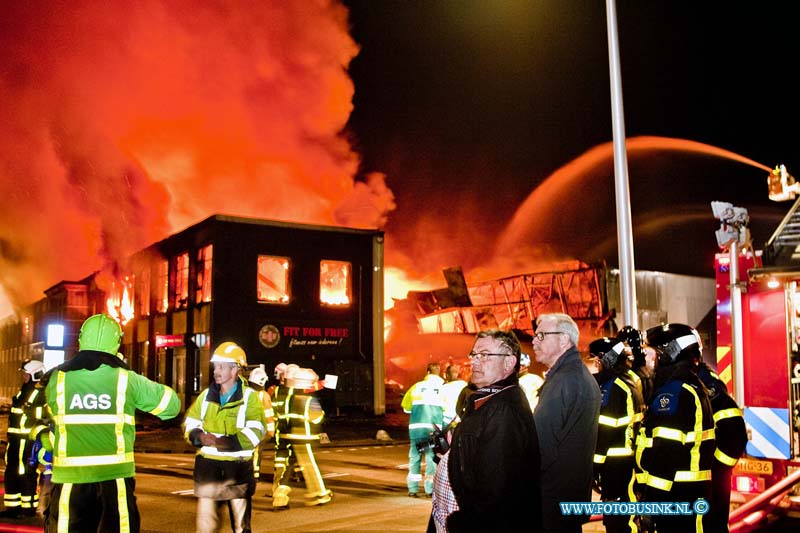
(437, 441)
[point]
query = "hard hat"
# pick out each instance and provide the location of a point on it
(608, 350)
(633, 338)
(524, 359)
(258, 376)
(280, 369)
(302, 378)
(674, 342)
(229, 352)
(34, 368)
(290, 370)
(630, 335)
(100, 333)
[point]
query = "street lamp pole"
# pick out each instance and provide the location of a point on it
(627, 280)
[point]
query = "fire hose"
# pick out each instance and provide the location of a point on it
(747, 516)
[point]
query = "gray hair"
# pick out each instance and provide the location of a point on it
(506, 338)
(563, 323)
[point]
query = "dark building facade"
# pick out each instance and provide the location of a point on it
(286, 292)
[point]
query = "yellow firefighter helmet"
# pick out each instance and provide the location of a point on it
(229, 352)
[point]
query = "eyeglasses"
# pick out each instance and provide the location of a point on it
(541, 334)
(481, 356)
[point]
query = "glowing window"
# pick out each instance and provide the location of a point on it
(203, 285)
(120, 304)
(334, 282)
(144, 292)
(181, 296)
(273, 279)
(162, 287)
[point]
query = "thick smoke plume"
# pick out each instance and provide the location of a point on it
(125, 121)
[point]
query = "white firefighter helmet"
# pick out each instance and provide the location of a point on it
(290, 370)
(280, 370)
(524, 359)
(34, 368)
(258, 376)
(229, 352)
(302, 378)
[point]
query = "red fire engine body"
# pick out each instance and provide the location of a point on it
(770, 359)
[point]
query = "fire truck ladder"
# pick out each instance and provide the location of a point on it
(785, 242)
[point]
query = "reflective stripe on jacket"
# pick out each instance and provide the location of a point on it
(424, 402)
(676, 440)
(93, 406)
(242, 417)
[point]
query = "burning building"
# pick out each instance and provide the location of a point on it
(285, 292)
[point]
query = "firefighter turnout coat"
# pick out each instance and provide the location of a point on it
(675, 447)
(21, 478)
(621, 413)
(93, 400)
(730, 434)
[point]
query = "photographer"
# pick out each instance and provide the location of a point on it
(493, 462)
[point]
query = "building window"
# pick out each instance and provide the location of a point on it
(144, 292)
(181, 296)
(203, 286)
(335, 282)
(119, 303)
(273, 279)
(27, 329)
(162, 286)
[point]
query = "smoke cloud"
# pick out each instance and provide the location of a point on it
(124, 122)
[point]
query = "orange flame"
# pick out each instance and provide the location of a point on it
(120, 301)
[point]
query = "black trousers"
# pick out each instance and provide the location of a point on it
(20, 479)
(104, 507)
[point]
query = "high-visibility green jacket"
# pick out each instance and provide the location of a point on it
(93, 399)
(423, 401)
(240, 424)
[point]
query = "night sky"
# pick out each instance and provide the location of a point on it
(468, 106)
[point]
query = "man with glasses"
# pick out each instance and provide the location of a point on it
(566, 419)
(493, 461)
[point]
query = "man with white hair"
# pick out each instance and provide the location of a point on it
(566, 418)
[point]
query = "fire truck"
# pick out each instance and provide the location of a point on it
(758, 355)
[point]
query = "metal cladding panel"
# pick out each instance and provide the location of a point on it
(766, 368)
(769, 432)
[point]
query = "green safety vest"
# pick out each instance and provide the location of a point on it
(95, 425)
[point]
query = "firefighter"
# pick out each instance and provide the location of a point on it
(305, 417)
(675, 445)
(257, 379)
(423, 402)
(280, 394)
(93, 399)
(226, 424)
(731, 440)
(21, 479)
(528, 381)
(640, 371)
(621, 408)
